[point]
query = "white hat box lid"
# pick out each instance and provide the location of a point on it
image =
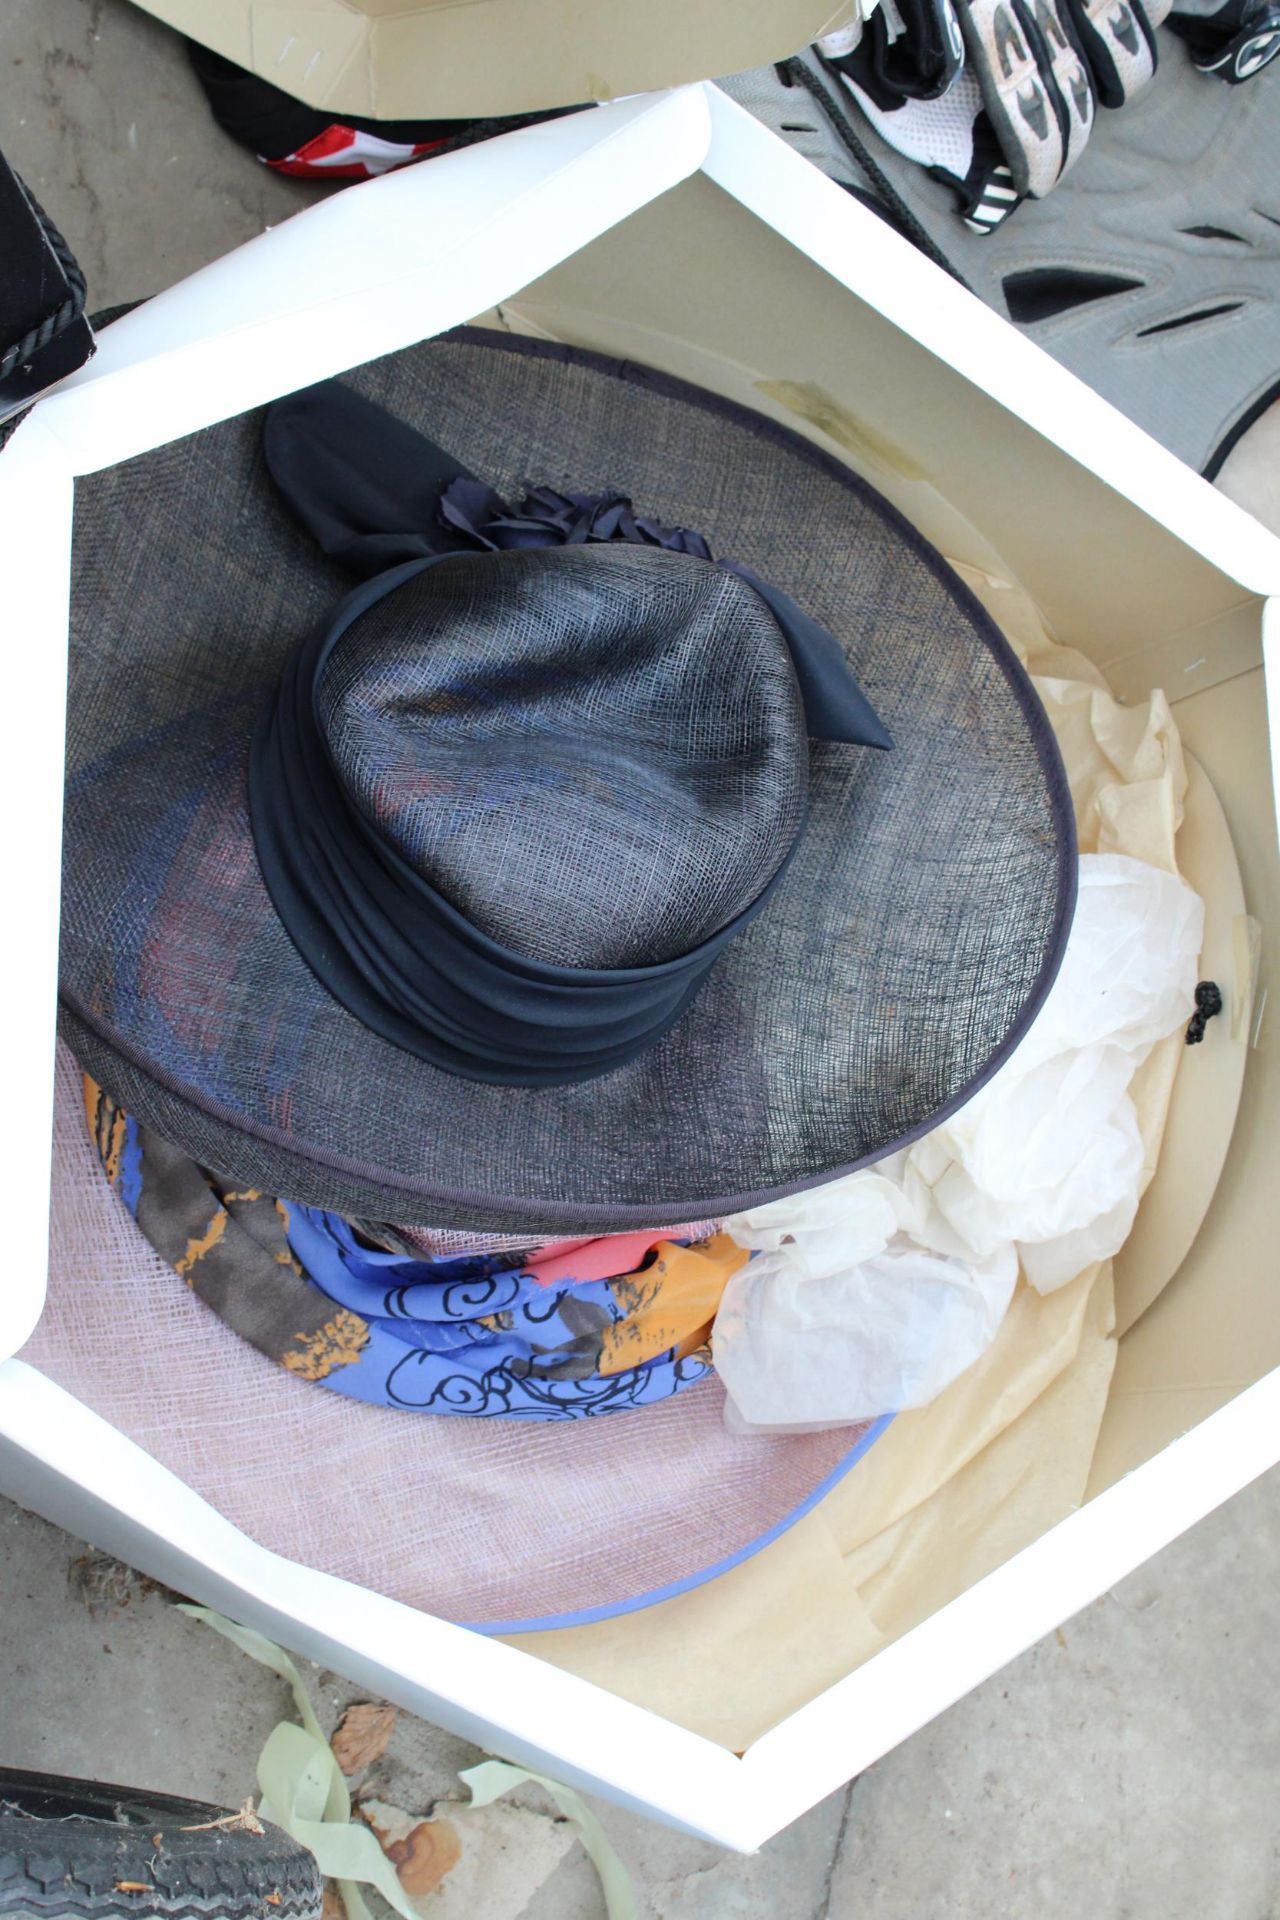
(673, 229)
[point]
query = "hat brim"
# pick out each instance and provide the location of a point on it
(506, 1525)
(910, 944)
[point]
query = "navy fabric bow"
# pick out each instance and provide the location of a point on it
(373, 493)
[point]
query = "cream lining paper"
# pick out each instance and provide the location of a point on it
(953, 1489)
(948, 1493)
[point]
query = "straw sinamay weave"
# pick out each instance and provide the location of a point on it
(908, 945)
(493, 1522)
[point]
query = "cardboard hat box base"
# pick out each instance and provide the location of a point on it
(951, 1490)
(472, 59)
(679, 233)
(1000, 1457)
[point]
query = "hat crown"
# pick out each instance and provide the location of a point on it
(597, 755)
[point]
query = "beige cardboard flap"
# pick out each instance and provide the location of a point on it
(468, 59)
(1202, 1113)
(305, 49)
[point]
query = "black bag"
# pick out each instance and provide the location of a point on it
(43, 332)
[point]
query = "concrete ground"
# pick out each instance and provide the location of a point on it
(1126, 1769)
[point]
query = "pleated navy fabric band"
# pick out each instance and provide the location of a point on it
(392, 949)
(386, 943)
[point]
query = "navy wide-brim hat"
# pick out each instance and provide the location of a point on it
(894, 959)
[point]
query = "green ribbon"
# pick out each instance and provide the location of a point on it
(489, 1780)
(304, 1791)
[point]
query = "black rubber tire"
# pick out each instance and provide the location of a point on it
(82, 1850)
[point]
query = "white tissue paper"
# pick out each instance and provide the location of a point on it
(873, 1293)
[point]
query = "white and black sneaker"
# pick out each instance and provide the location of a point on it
(1118, 37)
(1234, 41)
(906, 50)
(1035, 86)
(954, 141)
